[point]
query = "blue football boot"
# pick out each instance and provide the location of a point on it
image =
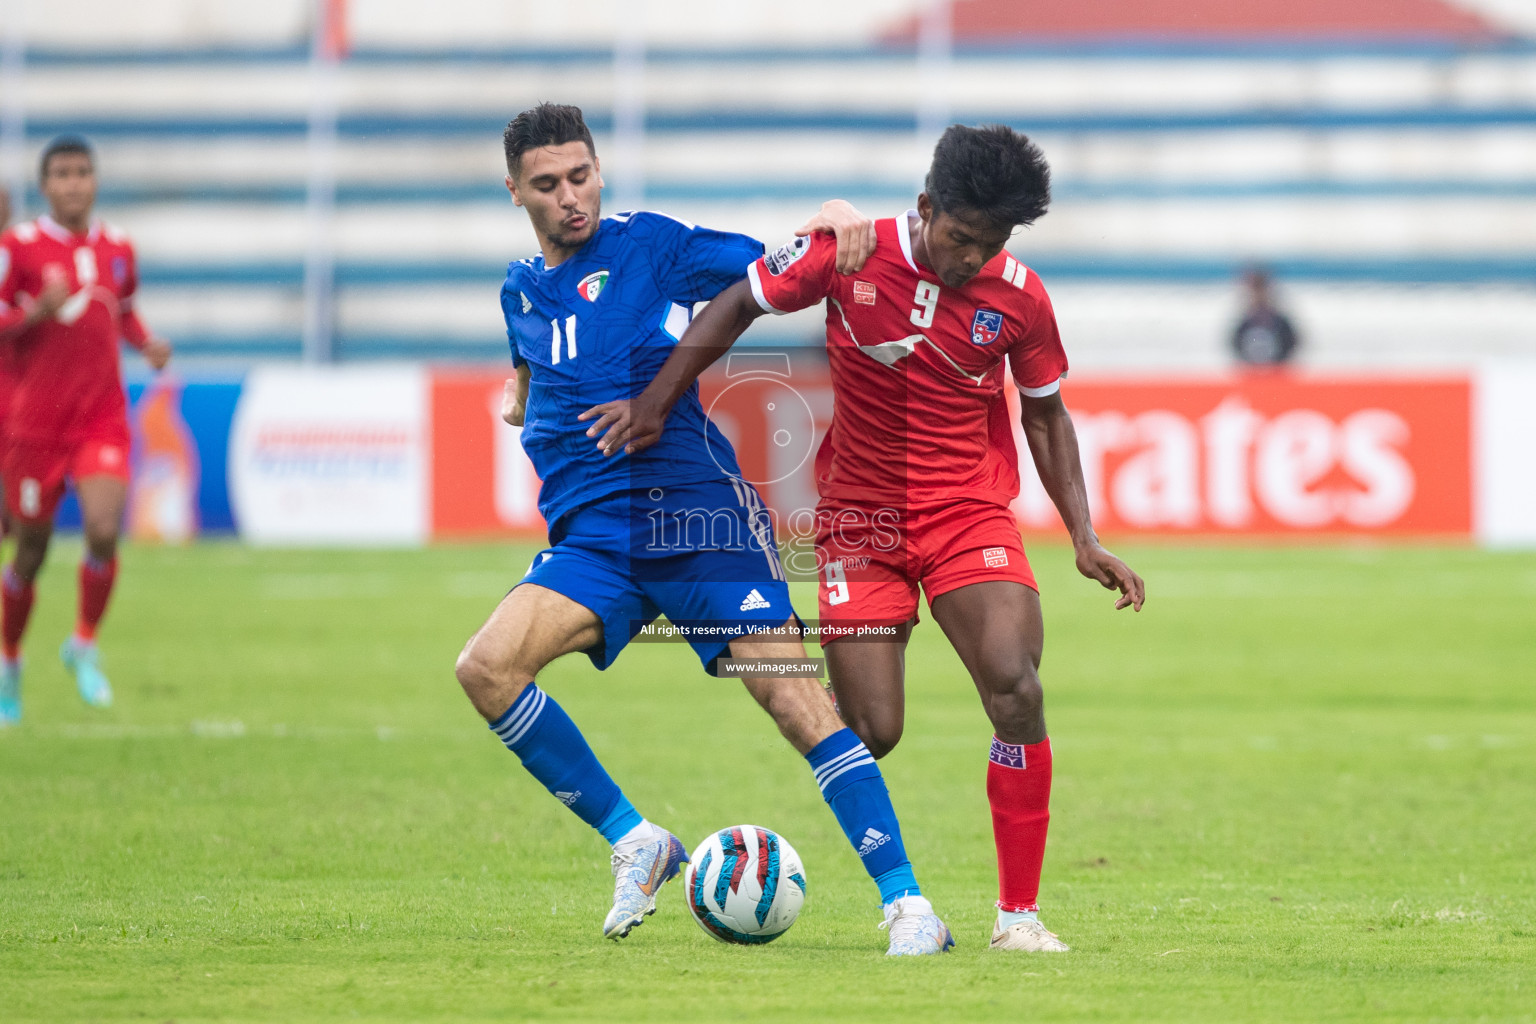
(83, 661)
(10, 692)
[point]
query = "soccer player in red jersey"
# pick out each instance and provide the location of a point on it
(7, 371)
(918, 469)
(66, 297)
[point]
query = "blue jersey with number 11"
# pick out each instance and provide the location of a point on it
(598, 327)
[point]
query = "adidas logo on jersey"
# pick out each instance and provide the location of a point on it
(569, 799)
(873, 840)
(527, 306)
(754, 601)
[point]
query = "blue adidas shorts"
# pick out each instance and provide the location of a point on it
(702, 554)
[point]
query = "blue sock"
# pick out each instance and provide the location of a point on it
(851, 784)
(553, 750)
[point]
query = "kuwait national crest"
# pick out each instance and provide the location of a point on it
(593, 284)
(986, 327)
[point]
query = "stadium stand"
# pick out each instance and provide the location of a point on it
(1385, 170)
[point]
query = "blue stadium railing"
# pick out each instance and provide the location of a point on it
(712, 120)
(1315, 118)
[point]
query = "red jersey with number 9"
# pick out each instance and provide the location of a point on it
(919, 411)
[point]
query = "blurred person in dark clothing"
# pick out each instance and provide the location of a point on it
(1264, 336)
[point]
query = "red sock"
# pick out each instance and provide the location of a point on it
(15, 606)
(1019, 790)
(96, 580)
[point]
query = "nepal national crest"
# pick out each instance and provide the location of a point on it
(986, 326)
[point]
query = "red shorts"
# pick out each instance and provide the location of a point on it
(872, 559)
(35, 471)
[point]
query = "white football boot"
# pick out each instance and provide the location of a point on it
(915, 929)
(639, 870)
(1029, 936)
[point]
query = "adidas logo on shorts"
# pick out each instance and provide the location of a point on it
(754, 601)
(873, 840)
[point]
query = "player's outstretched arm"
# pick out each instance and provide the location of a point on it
(1053, 444)
(634, 424)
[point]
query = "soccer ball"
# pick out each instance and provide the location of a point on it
(745, 885)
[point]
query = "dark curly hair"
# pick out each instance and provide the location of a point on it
(991, 170)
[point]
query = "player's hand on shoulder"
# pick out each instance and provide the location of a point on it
(1095, 562)
(157, 352)
(855, 233)
(628, 423)
(512, 405)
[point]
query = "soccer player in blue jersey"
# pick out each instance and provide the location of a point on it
(591, 319)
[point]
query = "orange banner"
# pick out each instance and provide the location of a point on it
(482, 483)
(1269, 455)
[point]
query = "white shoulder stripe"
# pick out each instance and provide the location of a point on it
(1014, 272)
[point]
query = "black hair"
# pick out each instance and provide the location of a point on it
(61, 145)
(548, 124)
(991, 170)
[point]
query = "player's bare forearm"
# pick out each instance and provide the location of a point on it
(709, 337)
(1053, 445)
(634, 424)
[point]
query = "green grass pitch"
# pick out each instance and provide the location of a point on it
(1301, 785)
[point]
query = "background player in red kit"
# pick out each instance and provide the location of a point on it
(7, 370)
(919, 467)
(66, 290)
